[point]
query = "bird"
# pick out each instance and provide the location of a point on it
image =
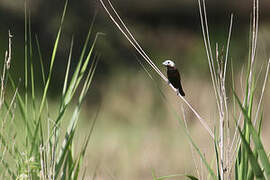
(174, 76)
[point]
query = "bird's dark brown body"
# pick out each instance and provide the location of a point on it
(175, 80)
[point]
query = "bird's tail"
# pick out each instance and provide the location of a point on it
(181, 91)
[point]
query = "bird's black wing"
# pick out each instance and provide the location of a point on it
(175, 80)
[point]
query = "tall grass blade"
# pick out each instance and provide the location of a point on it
(73, 122)
(40, 60)
(65, 150)
(253, 160)
(52, 62)
(256, 139)
(21, 107)
(34, 145)
(217, 159)
(41, 67)
(75, 174)
(31, 67)
(68, 66)
(177, 175)
(209, 169)
(25, 57)
(85, 64)
(74, 80)
(263, 90)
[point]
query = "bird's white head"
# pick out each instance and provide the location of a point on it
(169, 63)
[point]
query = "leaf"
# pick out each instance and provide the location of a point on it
(176, 175)
(253, 161)
(256, 139)
(52, 62)
(217, 158)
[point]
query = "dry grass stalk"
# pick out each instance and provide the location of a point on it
(227, 144)
(218, 81)
(125, 31)
(6, 67)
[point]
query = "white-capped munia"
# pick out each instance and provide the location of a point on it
(174, 76)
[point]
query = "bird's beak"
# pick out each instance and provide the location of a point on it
(164, 63)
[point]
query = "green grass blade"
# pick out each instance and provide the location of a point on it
(7, 106)
(9, 170)
(68, 66)
(34, 145)
(21, 107)
(40, 60)
(69, 135)
(68, 165)
(52, 61)
(89, 78)
(83, 151)
(250, 174)
(83, 69)
(74, 80)
(253, 161)
(236, 168)
(77, 76)
(41, 66)
(11, 150)
(261, 151)
(66, 98)
(217, 158)
(154, 175)
(31, 68)
(176, 175)
(65, 149)
(73, 122)
(211, 172)
(25, 56)
(191, 177)
(260, 124)
(256, 139)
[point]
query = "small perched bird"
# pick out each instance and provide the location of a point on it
(174, 76)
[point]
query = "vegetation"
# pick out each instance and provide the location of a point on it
(41, 148)
(235, 155)
(37, 142)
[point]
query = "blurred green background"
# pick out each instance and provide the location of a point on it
(135, 131)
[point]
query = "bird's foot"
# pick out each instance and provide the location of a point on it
(178, 93)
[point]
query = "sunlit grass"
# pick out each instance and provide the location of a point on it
(41, 137)
(34, 141)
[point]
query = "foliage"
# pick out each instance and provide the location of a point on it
(41, 149)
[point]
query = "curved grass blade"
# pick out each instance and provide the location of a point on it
(52, 61)
(217, 158)
(253, 160)
(25, 57)
(176, 175)
(75, 173)
(21, 107)
(74, 119)
(67, 93)
(256, 139)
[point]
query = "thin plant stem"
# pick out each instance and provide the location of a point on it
(138, 48)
